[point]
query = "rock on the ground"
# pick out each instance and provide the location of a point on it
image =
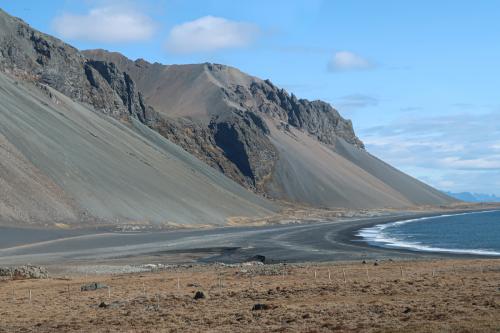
(199, 295)
(260, 306)
(93, 286)
(25, 272)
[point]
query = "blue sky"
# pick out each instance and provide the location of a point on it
(419, 79)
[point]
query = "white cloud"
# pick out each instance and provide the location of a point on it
(348, 61)
(105, 24)
(210, 33)
(490, 162)
(457, 152)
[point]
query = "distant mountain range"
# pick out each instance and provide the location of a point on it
(473, 197)
(94, 136)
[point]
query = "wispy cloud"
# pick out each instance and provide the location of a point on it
(356, 101)
(348, 61)
(483, 163)
(464, 147)
(209, 33)
(115, 24)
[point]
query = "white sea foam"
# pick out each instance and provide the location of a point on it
(376, 236)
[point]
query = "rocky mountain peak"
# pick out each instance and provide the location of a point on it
(28, 54)
(242, 91)
(229, 110)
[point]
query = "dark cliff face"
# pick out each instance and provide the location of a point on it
(243, 139)
(30, 55)
(316, 118)
(236, 145)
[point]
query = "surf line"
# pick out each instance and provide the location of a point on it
(375, 236)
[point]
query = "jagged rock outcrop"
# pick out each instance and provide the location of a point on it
(243, 139)
(31, 55)
(316, 118)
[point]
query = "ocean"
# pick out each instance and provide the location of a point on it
(466, 233)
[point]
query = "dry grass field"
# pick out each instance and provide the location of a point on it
(421, 296)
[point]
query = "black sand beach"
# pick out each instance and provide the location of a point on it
(308, 242)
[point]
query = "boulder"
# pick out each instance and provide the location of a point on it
(93, 286)
(199, 295)
(260, 306)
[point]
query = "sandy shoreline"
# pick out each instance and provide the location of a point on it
(307, 242)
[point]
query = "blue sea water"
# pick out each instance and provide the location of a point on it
(467, 233)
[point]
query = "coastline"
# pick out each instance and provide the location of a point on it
(350, 236)
(375, 236)
(331, 241)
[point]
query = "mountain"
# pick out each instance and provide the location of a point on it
(266, 139)
(74, 146)
(473, 197)
(96, 137)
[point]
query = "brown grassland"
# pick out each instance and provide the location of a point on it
(410, 296)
